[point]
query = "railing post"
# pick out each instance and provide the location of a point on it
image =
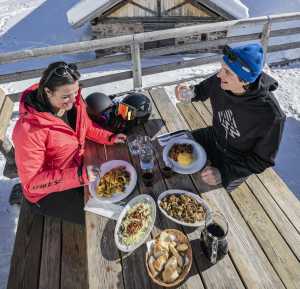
(265, 37)
(136, 65)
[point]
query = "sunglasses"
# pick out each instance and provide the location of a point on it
(227, 51)
(66, 71)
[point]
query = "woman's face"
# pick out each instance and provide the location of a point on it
(229, 80)
(63, 97)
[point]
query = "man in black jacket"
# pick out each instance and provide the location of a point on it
(247, 119)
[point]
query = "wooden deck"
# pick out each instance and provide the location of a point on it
(263, 216)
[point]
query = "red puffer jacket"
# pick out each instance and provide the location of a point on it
(48, 152)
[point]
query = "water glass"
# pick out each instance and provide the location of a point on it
(186, 94)
(133, 145)
(144, 141)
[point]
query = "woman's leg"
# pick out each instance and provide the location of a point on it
(67, 205)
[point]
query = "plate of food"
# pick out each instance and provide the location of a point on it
(184, 208)
(169, 258)
(184, 156)
(135, 223)
(116, 180)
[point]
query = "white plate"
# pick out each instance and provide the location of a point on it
(139, 199)
(199, 155)
(192, 195)
(106, 167)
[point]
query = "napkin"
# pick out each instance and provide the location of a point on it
(164, 139)
(108, 210)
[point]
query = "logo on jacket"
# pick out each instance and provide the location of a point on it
(227, 120)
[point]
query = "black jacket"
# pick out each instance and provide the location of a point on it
(247, 129)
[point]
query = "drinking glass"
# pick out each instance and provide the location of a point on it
(147, 164)
(133, 145)
(186, 94)
(213, 238)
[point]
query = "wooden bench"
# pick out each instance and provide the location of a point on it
(6, 148)
(48, 253)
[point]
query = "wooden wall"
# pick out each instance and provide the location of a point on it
(187, 9)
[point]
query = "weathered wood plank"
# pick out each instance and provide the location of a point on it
(134, 272)
(136, 65)
(5, 115)
(103, 268)
(153, 127)
(189, 111)
(74, 257)
(2, 98)
(278, 252)
(245, 251)
(25, 262)
(51, 255)
(215, 276)
(280, 220)
(283, 196)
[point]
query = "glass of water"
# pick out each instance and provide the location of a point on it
(186, 94)
(133, 145)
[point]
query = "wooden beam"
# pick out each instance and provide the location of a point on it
(136, 65)
(158, 8)
(174, 7)
(142, 7)
(196, 4)
(164, 19)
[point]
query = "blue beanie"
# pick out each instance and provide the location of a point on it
(250, 54)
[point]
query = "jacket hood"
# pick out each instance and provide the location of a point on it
(260, 89)
(37, 111)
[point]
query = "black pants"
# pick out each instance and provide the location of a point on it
(66, 205)
(205, 137)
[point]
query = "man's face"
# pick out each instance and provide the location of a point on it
(229, 80)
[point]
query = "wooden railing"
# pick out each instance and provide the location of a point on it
(134, 41)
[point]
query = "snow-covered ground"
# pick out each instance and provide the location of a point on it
(37, 23)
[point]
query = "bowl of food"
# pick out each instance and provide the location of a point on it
(184, 208)
(135, 223)
(184, 156)
(116, 180)
(169, 258)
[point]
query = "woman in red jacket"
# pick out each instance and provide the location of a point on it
(49, 140)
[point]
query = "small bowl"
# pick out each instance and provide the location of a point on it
(182, 238)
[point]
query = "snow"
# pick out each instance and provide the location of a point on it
(37, 23)
(234, 7)
(85, 10)
(262, 8)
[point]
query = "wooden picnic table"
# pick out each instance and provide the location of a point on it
(263, 217)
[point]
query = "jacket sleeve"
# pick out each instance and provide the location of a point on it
(97, 134)
(261, 157)
(30, 159)
(203, 90)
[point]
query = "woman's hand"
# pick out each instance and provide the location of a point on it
(211, 176)
(179, 88)
(119, 138)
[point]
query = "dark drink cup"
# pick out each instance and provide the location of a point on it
(147, 178)
(213, 238)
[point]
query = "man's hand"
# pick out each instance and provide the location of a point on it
(119, 138)
(211, 176)
(178, 90)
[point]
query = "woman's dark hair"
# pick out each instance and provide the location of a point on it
(57, 74)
